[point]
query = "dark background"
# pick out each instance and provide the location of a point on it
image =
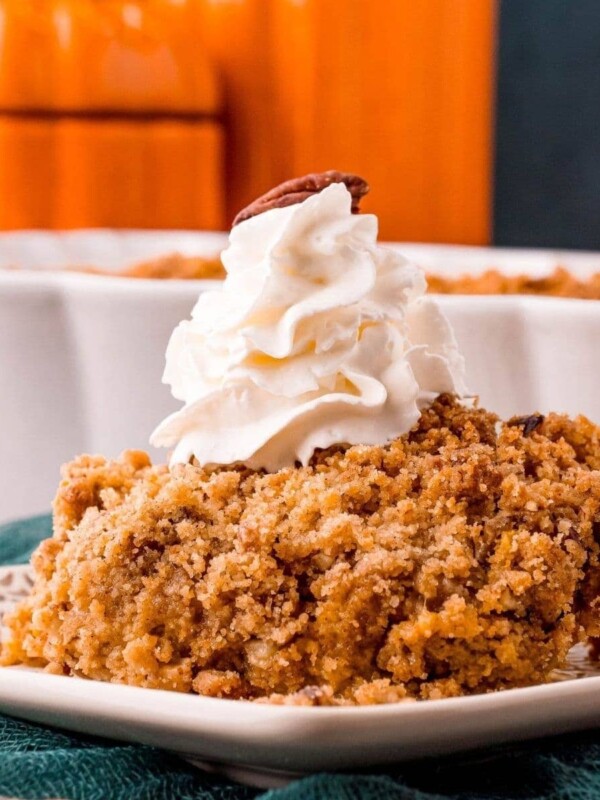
(547, 187)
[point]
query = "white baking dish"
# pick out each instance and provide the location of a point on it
(81, 356)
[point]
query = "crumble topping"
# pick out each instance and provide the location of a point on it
(462, 557)
(173, 266)
(560, 283)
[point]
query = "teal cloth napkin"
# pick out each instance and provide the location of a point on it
(38, 762)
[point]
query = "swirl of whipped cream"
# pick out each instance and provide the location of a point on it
(319, 336)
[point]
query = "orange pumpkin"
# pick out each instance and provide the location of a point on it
(397, 90)
(110, 115)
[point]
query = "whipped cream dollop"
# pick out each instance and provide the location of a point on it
(319, 336)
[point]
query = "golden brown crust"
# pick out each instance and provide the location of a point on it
(461, 558)
(170, 267)
(560, 283)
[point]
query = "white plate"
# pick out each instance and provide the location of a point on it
(266, 745)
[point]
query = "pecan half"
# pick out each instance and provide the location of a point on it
(297, 190)
(529, 423)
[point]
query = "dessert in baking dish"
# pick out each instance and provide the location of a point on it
(339, 523)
